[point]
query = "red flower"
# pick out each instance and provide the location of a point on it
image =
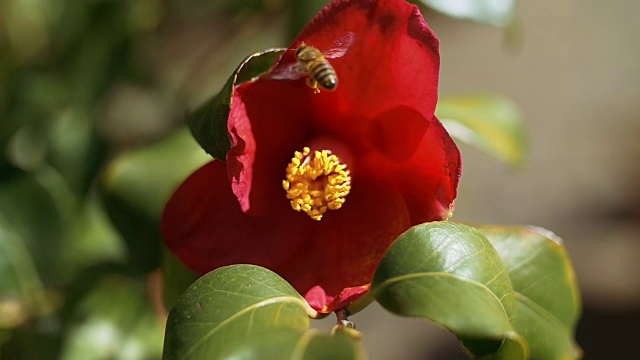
(393, 164)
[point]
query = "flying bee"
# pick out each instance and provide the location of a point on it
(321, 73)
(314, 64)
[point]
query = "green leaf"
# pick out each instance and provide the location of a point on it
(514, 346)
(248, 312)
(61, 236)
(114, 321)
(229, 308)
(313, 345)
(39, 208)
(449, 273)
(75, 149)
(177, 278)
(308, 345)
(93, 240)
(548, 300)
(488, 122)
(208, 123)
(498, 13)
(136, 186)
(146, 178)
(21, 291)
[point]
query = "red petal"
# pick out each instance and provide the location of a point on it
(390, 72)
(204, 226)
(324, 303)
(429, 179)
(344, 248)
(393, 62)
(267, 123)
(407, 165)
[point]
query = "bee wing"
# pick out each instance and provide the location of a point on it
(287, 72)
(340, 46)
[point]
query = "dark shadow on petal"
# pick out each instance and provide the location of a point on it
(398, 132)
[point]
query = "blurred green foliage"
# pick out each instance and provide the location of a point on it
(92, 99)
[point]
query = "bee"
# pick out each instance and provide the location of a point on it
(314, 64)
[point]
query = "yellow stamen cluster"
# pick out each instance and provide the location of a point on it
(316, 183)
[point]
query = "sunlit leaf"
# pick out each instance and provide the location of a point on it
(513, 347)
(488, 122)
(230, 307)
(28, 26)
(315, 346)
(493, 12)
(308, 345)
(449, 273)
(248, 312)
(548, 300)
(114, 321)
(208, 123)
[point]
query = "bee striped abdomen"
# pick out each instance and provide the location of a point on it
(323, 73)
(320, 71)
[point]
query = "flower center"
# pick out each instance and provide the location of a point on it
(316, 183)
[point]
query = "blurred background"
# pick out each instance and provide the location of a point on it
(92, 100)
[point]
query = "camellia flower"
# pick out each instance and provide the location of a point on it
(319, 183)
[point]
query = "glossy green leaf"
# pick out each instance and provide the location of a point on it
(114, 321)
(514, 346)
(449, 273)
(208, 123)
(313, 345)
(493, 12)
(136, 186)
(548, 300)
(307, 345)
(248, 312)
(488, 122)
(230, 307)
